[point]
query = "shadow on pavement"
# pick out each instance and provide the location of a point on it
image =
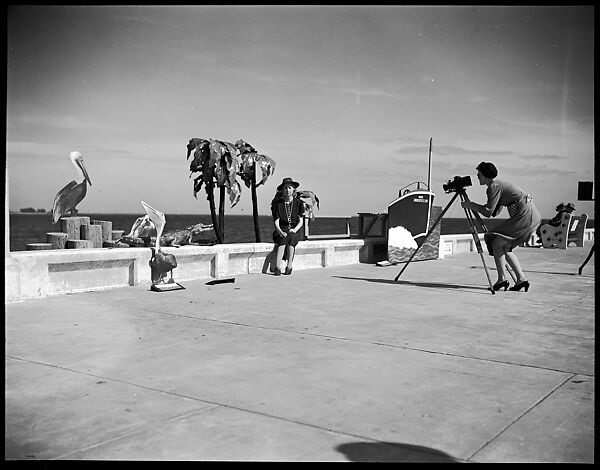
(391, 452)
(420, 284)
(533, 271)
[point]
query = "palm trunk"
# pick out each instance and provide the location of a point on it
(222, 213)
(213, 212)
(255, 206)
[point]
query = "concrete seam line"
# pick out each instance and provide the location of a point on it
(543, 398)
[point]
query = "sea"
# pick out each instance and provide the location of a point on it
(32, 227)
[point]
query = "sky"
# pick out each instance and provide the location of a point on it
(344, 99)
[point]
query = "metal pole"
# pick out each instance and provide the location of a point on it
(429, 171)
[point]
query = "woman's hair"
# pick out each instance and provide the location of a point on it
(487, 169)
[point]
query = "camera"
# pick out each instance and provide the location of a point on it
(459, 182)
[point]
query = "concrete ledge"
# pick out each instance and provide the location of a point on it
(35, 274)
(451, 244)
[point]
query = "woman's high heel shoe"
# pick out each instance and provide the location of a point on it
(517, 287)
(500, 285)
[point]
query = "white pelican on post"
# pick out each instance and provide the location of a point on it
(67, 198)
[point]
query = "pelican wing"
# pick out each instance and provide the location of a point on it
(62, 202)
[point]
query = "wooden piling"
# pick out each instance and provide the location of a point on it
(116, 234)
(106, 229)
(38, 246)
(79, 244)
(71, 226)
(57, 239)
(92, 233)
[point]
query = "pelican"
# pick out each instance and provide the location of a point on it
(158, 219)
(160, 263)
(67, 198)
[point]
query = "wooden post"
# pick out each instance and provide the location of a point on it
(79, 244)
(116, 234)
(106, 229)
(92, 233)
(57, 239)
(38, 246)
(71, 225)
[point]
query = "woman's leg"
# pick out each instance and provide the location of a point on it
(514, 263)
(280, 251)
(499, 258)
(290, 255)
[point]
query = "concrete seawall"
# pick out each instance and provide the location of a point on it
(37, 274)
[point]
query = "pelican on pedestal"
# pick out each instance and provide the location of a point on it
(67, 198)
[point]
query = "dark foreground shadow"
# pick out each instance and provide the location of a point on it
(437, 285)
(391, 452)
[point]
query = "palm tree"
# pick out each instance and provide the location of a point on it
(218, 164)
(250, 159)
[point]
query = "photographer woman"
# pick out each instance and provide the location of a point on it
(524, 220)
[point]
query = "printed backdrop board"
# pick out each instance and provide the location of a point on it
(410, 217)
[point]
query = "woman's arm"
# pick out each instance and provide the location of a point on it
(278, 228)
(297, 227)
(483, 210)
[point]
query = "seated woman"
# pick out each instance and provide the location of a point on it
(288, 212)
(524, 220)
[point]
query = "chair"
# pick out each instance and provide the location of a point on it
(577, 230)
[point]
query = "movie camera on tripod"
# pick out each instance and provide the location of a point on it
(458, 183)
(457, 186)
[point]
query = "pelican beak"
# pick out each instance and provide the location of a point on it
(85, 174)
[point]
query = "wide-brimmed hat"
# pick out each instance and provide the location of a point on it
(570, 207)
(287, 181)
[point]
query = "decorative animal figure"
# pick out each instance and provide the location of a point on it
(143, 227)
(67, 198)
(184, 236)
(556, 237)
(309, 199)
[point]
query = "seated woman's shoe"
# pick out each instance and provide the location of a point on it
(288, 271)
(500, 285)
(520, 285)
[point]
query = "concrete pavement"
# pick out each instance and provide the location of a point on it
(328, 364)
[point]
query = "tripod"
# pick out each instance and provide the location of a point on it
(470, 214)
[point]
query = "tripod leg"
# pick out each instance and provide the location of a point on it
(427, 236)
(484, 228)
(469, 215)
